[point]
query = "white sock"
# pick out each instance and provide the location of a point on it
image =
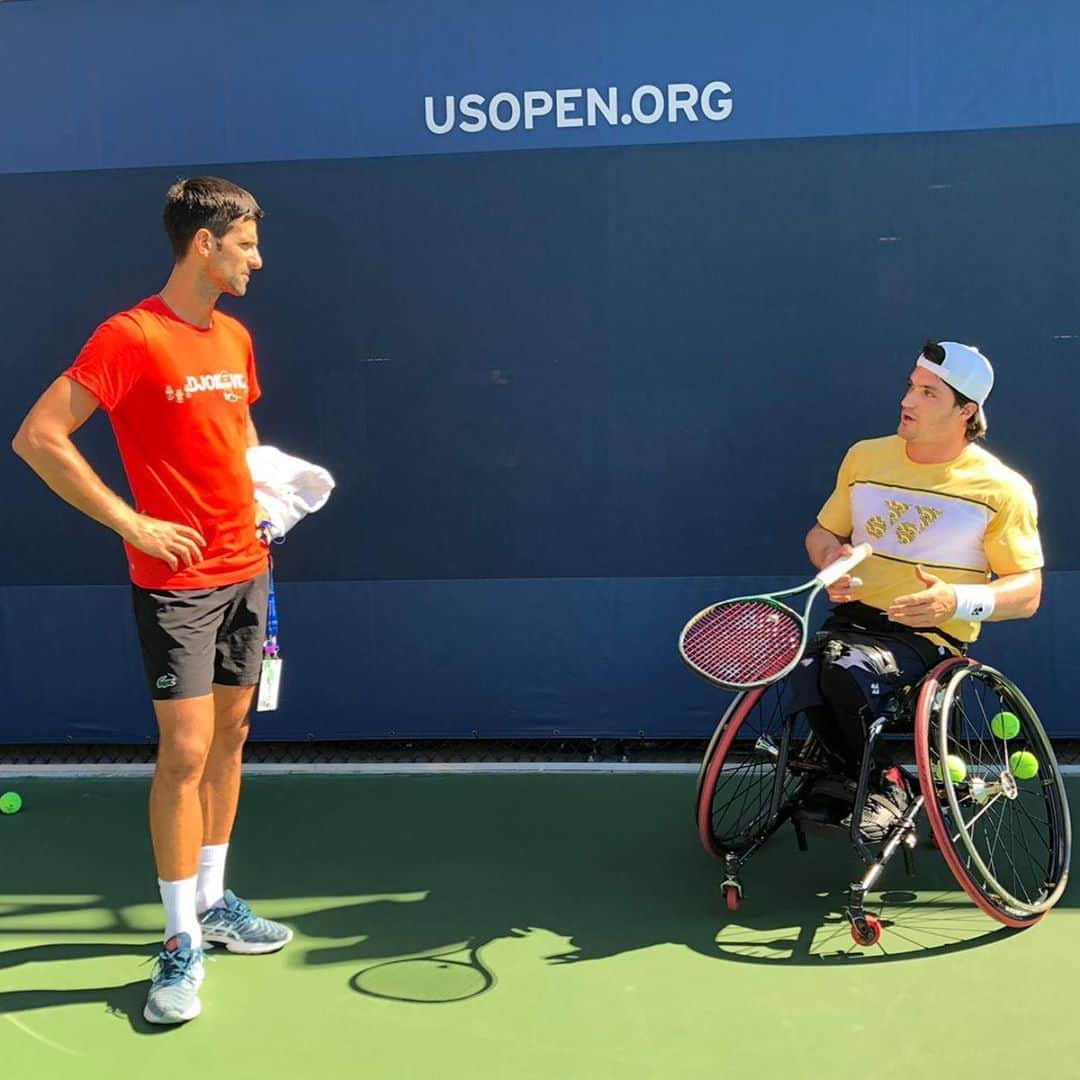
(211, 880)
(180, 914)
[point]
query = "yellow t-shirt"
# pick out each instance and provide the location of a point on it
(961, 520)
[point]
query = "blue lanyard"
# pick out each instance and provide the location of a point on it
(271, 646)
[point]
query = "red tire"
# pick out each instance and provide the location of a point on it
(713, 764)
(939, 693)
(757, 719)
(866, 931)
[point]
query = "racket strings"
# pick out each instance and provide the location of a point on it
(745, 641)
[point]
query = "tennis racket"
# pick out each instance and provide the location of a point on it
(755, 640)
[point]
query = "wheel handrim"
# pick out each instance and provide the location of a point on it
(748, 773)
(1024, 825)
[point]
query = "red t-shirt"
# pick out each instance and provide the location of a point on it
(178, 400)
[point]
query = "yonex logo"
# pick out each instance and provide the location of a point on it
(905, 531)
(165, 682)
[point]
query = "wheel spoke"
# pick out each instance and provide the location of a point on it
(1002, 832)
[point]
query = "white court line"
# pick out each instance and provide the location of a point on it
(362, 768)
(40, 1038)
(388, 768)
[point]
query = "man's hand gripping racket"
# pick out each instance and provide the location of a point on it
(755, 640)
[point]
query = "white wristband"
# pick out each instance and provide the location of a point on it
(974, 603)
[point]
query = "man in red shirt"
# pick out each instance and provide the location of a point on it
(176, 378)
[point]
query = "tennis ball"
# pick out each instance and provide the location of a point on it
(955, 765)
(10, 802)
(1023, 764)
(1005, 725)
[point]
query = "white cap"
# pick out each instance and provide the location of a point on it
(965, 369)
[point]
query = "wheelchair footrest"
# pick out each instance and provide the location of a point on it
(823, 811)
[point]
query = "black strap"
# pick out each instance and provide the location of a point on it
(873, 620)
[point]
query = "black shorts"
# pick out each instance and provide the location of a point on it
(193, 638)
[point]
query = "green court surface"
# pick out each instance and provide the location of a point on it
(518, 926)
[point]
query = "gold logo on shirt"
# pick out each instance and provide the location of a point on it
(896, 510)
(905, 531)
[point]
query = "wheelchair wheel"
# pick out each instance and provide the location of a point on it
(743, 793)
(993, 790)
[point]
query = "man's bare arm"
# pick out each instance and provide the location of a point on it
(266, 535)
(1016, 596)
(824, 548)
(44, 442)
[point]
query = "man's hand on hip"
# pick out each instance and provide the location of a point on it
(177, 545)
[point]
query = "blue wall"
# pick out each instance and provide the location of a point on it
(121, 83)
(572, 391)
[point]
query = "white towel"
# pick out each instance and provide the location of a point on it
(289, 488)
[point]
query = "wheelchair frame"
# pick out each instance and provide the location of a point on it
(929, 706)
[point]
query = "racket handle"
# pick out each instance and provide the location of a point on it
(835, 571)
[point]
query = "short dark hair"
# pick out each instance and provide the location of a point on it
(205, 202)
(976, 428)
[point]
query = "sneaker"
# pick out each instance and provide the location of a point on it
(886, 803)
(174, 986)
(240, 930)
(896, 787)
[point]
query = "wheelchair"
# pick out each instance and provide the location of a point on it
(987, 779)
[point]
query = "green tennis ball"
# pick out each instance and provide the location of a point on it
(10, 802)
(955, 765)
(1005, 725)
(1023, 764)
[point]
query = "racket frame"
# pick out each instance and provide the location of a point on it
(822, 580)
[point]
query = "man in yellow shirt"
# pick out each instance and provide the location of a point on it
(956, 543)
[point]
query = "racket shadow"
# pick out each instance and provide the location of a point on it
(452, 975)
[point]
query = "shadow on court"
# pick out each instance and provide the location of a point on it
(124, 1002)
(408, 883)
(612, 865)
